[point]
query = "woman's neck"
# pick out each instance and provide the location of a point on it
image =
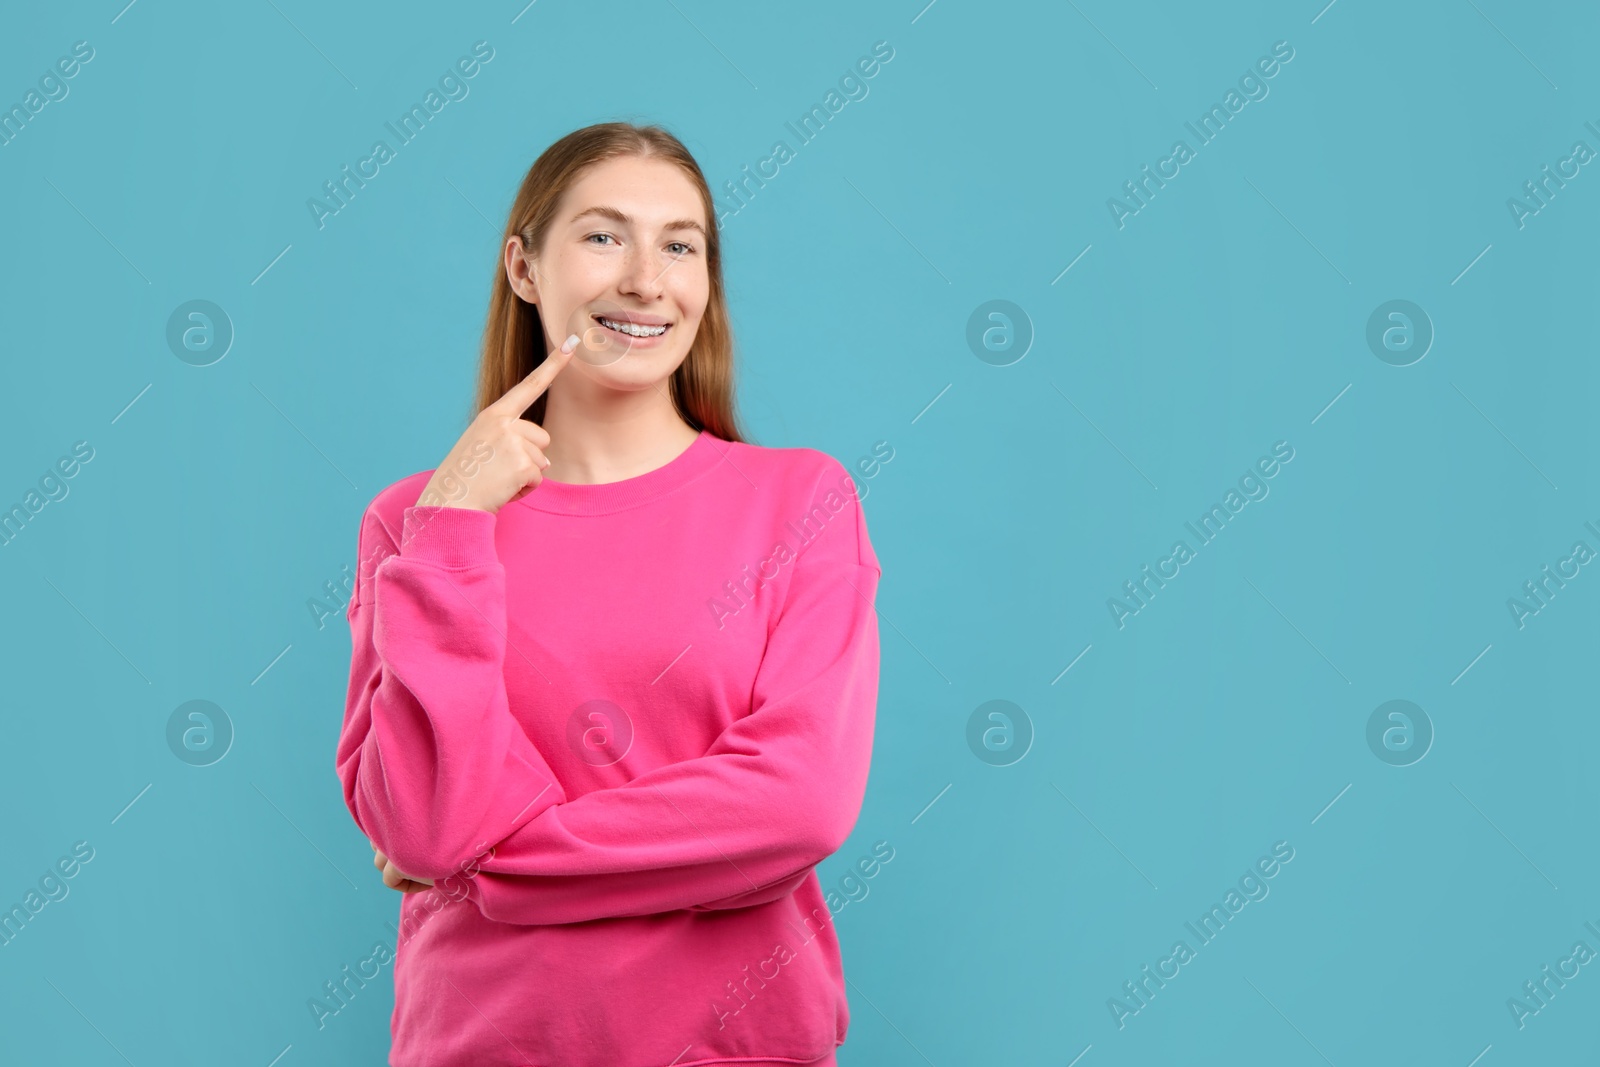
(585, 452)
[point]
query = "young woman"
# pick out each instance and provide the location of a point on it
(614, 670)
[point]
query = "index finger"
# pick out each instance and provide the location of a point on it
(519, 397)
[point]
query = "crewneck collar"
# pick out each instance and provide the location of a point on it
(567, 498)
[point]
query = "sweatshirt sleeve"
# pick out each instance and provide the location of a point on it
(776, 793)
(433, 764)
(765, 895)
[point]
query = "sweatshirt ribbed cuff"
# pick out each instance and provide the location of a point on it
(449, 537)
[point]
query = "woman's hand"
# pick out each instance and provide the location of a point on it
(395, 878)
(500, 457)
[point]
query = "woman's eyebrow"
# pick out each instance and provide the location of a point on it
(625, 219)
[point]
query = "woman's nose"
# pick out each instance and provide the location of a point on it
(643, 274)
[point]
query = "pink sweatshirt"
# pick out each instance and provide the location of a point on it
(628, 719)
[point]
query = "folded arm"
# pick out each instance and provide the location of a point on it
(434, 766)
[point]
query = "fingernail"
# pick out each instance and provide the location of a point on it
(570, 343)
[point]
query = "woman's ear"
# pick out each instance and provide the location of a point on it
(521, 271)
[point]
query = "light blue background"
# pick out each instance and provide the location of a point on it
(1225, 316)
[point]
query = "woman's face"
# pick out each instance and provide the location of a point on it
(624, 257)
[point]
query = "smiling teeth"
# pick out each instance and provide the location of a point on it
(633, 329)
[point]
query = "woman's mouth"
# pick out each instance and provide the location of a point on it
(632, 329)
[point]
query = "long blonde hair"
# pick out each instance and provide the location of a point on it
(514, 338)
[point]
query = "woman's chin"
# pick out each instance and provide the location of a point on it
(630, 376)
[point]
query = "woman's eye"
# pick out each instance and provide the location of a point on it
(594, 235)
(687, 248)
